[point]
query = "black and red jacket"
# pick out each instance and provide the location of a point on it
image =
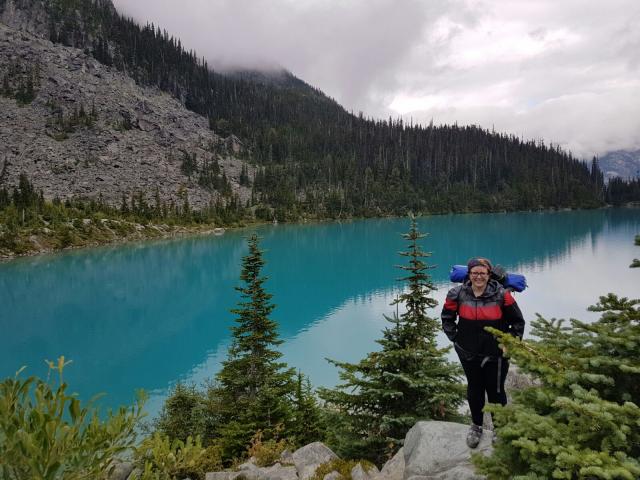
(495, 308)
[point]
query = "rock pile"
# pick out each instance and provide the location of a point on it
(432, 451)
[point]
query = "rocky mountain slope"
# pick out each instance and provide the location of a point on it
(97, 123)
(620, 163)
(79, 128)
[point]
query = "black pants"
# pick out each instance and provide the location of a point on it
(484, 377)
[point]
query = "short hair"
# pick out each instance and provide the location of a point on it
(479, 262)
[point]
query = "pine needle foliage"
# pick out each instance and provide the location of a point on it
(307, 425)
(254, 389)
(409, 379)
(583, 420)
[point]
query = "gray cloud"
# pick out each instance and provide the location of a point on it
(565, 72)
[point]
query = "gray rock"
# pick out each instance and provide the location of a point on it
(222, 475)
(121, 471)
(248, 465)
(308, 458)
(279, 472)
(253, 472)
(332, 476)
(135, 474)
(360, 473)
(286, 456)
(394, 468)
(438, 450)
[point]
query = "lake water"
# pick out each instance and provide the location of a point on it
(148, 315)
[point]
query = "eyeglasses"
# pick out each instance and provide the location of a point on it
(478, 274)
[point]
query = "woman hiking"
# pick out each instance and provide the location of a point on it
(478, 303)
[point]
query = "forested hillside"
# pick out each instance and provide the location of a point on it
(313, 156)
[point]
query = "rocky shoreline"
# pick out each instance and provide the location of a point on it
(432, 450)
(44, 241)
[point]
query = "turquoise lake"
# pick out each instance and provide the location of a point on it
(151, 314)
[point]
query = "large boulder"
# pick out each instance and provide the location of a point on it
(438, 450)
(361, 473)
(394, 468)
(308, 458)
(250, 471)
(222, 475)
(278, 472)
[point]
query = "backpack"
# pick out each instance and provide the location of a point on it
(511, 281)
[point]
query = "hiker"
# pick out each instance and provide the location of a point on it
(481, 302)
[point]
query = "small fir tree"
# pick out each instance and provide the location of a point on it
(182, 414)
(583, 420)
(410, 379)
(254, 388)
(307, 425)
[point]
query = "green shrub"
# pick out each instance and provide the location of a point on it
(343, 467)
(159, 458)
(267, 452)
(46, 434)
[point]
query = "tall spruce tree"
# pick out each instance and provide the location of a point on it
(582, 420)
(409, 379)
(254, 389)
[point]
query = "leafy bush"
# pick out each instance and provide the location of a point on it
(159, 458)
(46, 434)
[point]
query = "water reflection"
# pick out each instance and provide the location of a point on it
(147, 315)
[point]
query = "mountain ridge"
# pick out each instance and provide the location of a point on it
(310, 156)
(620, 163)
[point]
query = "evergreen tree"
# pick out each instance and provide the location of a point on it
(582, 420)
(307, 425)
(254, 388)
(410, 379)
(182, 414)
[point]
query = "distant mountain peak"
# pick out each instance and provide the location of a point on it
(620, 163)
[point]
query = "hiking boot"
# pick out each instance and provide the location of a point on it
(473, 436)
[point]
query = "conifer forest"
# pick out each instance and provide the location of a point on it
(316, 158)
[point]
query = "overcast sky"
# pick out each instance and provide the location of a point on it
(566, 71)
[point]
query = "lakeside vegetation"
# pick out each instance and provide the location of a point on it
(578, 420)
(31, 224)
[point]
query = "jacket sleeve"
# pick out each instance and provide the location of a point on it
(450, 313)
(513, 316)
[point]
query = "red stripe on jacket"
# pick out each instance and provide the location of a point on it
(468, 312)
(508, 298)
(450, 304)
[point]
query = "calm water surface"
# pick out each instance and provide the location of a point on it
(148, 315)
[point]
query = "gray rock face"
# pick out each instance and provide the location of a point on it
(222, 475)
(360, 473)
(278, 472)
(34, 21)
(308, 458)
(437, 450)
(121, 471)
(286, 457)
(394, 468)
(136, 143)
